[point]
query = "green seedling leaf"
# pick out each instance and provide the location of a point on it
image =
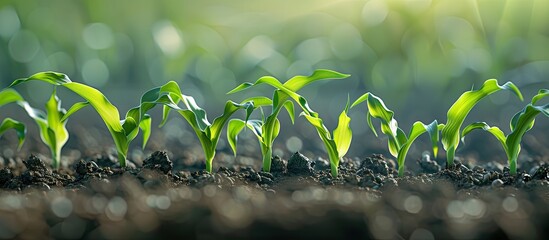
(234, 127)
(343, 133)
(389, 125)
(19, 128)
(8, 96)
(73, 109)
(258, 101)
(296, 83)
(417, 130)
(145, 126)
(48, 77)
(461, 108)
(495, 131)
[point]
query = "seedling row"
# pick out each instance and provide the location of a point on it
(285, 97)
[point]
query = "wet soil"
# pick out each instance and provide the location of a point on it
(94, 198)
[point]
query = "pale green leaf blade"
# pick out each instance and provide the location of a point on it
(48, 77)
(370, 123)
(145, 126)
(433, 131)
(400, 136)
(19, 128)
(59, 134)
(343, 134)
(200, 114)
(258, 101)
(241, 87)
(361, 99)
(41, 120)
(218, 123)
(8, 96)
(130, 125)
(257, 128)
(542, 93)
(296, 83)
(289, 106)
(495, 131)
(234, 128)
(73, 109)
(276, 128)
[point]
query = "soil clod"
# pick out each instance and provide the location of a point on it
(35, 164)
(278, 165)
(377, 164)
(158, 161)
(321, 164)
(299, 164)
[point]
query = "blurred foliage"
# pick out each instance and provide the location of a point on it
(418, 55)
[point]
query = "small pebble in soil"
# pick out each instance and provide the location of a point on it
(497, 183)
(299, 164)
(159, 161)
(278, 165)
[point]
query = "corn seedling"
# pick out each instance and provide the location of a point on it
(52, 129)
(461, 108)
(398, 142)
(270, 127)
(122, 131)
(9, 96)
(337, 144)
(520, 124)
(264, 134)
(169, 95)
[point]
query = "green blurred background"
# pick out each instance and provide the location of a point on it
(417, 55)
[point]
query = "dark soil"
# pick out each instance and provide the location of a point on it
(96, 199)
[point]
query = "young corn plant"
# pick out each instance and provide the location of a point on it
(461, 108)
(270, 127)
(169, 96)
(259, 127)
(520, 124)
(53, 131)
(398, 142)
(122, 131)
(336, 144)
(9, 96)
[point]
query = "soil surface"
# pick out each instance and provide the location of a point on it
(159, 198)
